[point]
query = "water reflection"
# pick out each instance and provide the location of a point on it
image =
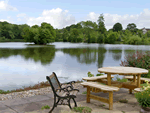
(83, 55)
(101, 56)
(23, 65)
(43, 54)
(116, 54)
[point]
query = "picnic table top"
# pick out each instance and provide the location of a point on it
(122, 70)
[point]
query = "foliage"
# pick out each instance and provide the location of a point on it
(99, 74)
(82, 109)
(112, 37)
(143, 98)
(84, 31)
(132, 27)
(138, 59)
(90, 75)
(45, 107)
(117, 27)
(121, 80)
(101, 25)
(134, 40)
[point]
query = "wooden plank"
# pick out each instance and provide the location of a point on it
(96, 78)
(109, 79)
(100, 86)
(142, 79)
(88, 94)
(99, 98)
(138, 90)
(110, 100)
(123, 70)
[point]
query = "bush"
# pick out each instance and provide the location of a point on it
(138, 59)
(135, 40)
(143, 98)
(111, 38)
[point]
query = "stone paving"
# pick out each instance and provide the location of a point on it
(34, 104)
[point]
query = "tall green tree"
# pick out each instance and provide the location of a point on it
(101, 25)
(117, 27)
(132, 27)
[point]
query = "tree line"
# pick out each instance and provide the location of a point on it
(84, 31)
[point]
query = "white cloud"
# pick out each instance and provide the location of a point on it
(5, 6)
(141, 20)
(59, 18)
(56, 17)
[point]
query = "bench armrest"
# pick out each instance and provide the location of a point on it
(63, 89)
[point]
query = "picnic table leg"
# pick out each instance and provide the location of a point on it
(109, 79)
(134, 80)
(88, 94)
(110, 100)
(138, 80)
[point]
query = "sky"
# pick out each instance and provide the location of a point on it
(62, 13)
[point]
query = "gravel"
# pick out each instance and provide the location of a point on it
(31, 93)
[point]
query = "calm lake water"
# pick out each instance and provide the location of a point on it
(24, 65)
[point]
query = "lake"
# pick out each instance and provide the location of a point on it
(23, 64)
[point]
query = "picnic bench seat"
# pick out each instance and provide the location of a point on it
(62, 93)
(142, 79)
(100, 88)
(138, 90)
(96, 78)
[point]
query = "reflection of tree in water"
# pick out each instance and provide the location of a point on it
(116, 54)
(84, 55)
(128, 52)
(101, 56)
(43, 54)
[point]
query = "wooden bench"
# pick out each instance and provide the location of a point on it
(100, 88)
(138, 90)
(96, 78)
(62, 93)
(142, 79)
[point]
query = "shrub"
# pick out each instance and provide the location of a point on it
(135, 40)
(138, 59)
(143, 98)
(112, 38)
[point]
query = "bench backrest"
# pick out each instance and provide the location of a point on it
(53, 80)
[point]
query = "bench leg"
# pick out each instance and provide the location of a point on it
(130, 91)
(110, 100)
(88, 94)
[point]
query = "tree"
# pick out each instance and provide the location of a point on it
(40, 35)
(111, 38)
(65, 35)
(117, 27)
(101, 25)
(132, 27)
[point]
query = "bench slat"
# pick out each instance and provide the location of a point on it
(138, 90)
(100, 86)
(131, 77)
(96, 78)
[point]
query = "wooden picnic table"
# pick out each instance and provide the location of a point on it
(133, 71)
